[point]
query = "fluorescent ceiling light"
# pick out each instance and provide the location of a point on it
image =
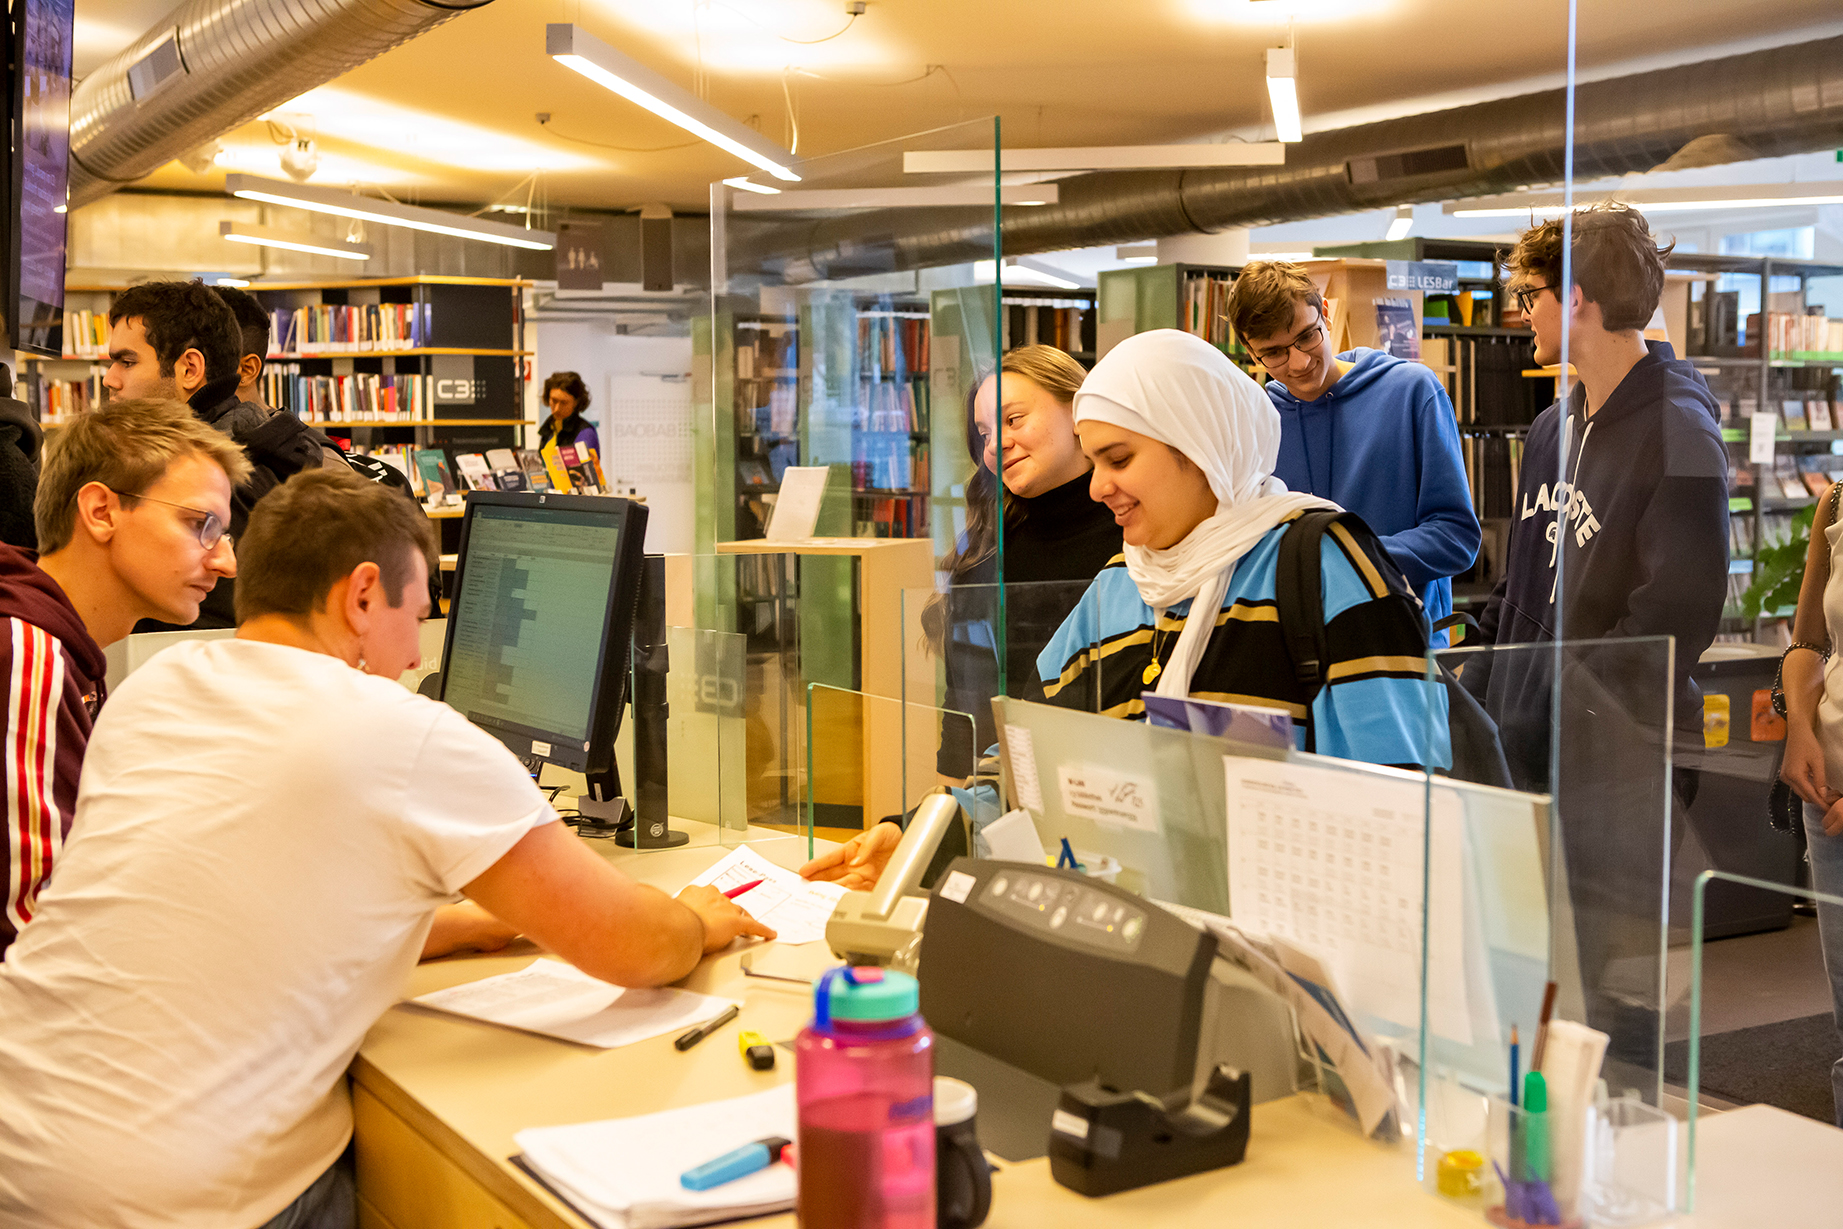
(575, 48)
(386, 213)
(405, 132)
(742, 181)
(1140, 254)
(1282, 91)
(1095, 158)
(238, 282)
(1655, 200)
(1054, 275)
(1402, 223)
(897, 198)
(268, 237)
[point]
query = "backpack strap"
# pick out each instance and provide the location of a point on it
(1299, 594)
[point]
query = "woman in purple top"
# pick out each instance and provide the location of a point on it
(567, 396)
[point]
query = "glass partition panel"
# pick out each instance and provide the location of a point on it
(836, 334)
(706, 734)
(950, 651)
(1765, 1008)
(872, 758)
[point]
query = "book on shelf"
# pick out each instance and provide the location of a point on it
(537, 476)
(584, 469)
(86, 334)
(475, 473)
(1396, 332)
(892, 344)
(1792, 413)
(360, 397)
(1205, 308)
(1787, 333)
(507, 473)
(338, 328)
(59, 401)
(432, 470)
(1817, 413)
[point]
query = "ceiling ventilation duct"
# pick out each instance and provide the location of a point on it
(1766, 104)
(211, 66)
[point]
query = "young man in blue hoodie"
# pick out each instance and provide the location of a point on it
(1364, 429)
(1620, 531)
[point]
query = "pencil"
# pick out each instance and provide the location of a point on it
(1542, 1027)
(1513, 1064)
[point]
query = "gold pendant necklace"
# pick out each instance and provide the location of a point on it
(1154, 670)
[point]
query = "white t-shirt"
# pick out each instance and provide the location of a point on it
(262, 837)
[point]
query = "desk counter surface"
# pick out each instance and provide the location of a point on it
(438, 1100)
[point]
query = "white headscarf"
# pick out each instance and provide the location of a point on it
(1180, 390)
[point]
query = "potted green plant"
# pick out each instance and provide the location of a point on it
(1778, 571)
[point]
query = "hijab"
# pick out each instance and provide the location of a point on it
(1180, 390)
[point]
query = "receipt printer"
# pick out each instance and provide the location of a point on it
(1153, 1047)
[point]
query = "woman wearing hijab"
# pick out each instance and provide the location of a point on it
(1184, 446)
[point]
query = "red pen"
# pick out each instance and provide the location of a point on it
(733, 893)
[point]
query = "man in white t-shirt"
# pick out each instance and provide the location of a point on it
(265, 828)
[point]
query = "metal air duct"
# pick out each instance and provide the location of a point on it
(211, 66)
(1765, 104)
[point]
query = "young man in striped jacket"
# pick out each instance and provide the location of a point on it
(132, 507)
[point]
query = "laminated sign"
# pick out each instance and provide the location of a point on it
(1110, 798)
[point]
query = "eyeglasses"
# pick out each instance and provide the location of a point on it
(1526, 296)
(1277, 357)
(210, 529)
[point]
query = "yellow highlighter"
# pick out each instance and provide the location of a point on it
(755, 1048)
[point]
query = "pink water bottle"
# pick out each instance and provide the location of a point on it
(864, 1072)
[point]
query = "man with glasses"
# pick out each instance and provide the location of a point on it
(1369, 431)
(183, 340)
(131, 511)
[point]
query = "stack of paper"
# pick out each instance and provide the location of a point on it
(797, 910)
(560, 1000)
(623, 1173)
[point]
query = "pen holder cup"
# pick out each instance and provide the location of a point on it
(1632, 1174)
(1522, 1169)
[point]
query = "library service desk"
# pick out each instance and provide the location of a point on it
(438, 1099)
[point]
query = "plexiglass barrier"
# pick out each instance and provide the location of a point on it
(949, 646)
(872, 758)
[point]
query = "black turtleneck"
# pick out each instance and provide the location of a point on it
(1061, 535)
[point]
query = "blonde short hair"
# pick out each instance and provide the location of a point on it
(126, 446)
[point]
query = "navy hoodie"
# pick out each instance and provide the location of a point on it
(1643, 549)
(1383, 443)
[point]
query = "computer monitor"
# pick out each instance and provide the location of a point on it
(538, 649)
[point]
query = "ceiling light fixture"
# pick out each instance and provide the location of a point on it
(1137, 254)
(269, 237)
(1282, 91)
(386, 213)
(1652, 200)
(1095, 158)
(577, 49)
(238, 282)
(742, 181)
(1402, 223)
(897, 198)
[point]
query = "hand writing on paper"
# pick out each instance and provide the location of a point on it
(859, 862)
(723, 918)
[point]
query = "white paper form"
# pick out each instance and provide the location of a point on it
(560, 1000)
(796, 509)
(1332, 861)
(796, 909)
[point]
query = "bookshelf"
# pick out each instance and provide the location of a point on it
(841, 380)
(1191, 297)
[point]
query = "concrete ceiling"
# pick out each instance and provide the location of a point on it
(451, 117)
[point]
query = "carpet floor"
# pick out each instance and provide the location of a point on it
(1785, 1064)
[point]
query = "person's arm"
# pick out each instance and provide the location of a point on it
(1802, 671)
(569, 901)
(46, 755)
(465, 927)
(1444, 538)
(1682, 544)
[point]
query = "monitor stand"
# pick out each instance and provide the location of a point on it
(652, 828)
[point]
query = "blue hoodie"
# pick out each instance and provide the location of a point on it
(1384, 444)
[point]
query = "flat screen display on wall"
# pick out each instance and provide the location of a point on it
(40, 177)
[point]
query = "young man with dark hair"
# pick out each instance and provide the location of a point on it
(181, 339)
(253, 327)
(267, 826)
(131, 512)
(1620, 530)
(1366, 430)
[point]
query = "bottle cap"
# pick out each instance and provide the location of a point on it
(864, 996)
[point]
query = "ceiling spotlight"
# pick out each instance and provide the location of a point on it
(202, 159)
(1402, 223)
(301, 159)
(1284, 94)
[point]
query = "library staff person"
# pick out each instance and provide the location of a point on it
(567, 396)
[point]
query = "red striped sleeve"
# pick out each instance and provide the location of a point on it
(34, 820)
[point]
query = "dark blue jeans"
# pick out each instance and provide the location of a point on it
(330, 1203)
(1827, 878)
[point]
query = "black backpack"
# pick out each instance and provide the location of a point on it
(1478, 755)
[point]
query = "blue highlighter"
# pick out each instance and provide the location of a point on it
(733, 1165)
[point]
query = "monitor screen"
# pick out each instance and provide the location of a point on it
(543, 584)
(41, 145)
